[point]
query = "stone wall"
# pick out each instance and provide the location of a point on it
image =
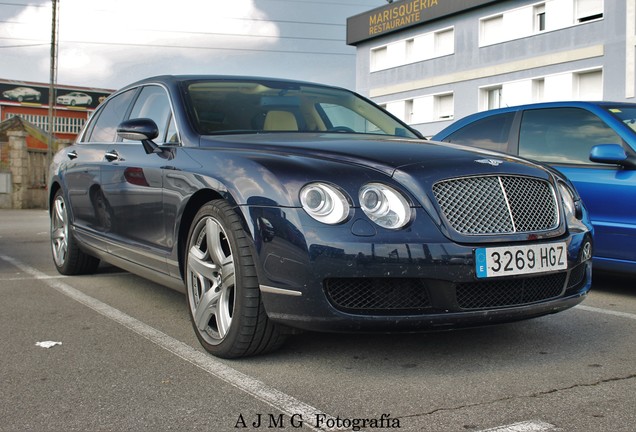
(28, 170)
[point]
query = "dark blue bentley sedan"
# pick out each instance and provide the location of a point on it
(592, 143)
(279, 205)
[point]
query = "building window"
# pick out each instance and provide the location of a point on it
(588, 85)
(539, 18)
(409, 49)
(419, 48)
(491, 30)
(398, 109)
(379, 57)
(444, 106)
(588, 10)
(538, 89)
(492, 97)
(408, 111)
(445, 42)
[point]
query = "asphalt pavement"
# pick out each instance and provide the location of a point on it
(124, 358)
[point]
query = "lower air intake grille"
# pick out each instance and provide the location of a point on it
(389, 296)
(512, 292)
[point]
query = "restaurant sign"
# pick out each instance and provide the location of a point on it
(403, 14)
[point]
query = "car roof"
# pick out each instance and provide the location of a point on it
(592, 105)
(173, 79)
(557, 104)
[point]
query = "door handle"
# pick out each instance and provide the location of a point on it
(72, 155)
(111, 155)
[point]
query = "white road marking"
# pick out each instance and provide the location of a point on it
(269, 395)
(607, 312)
(23, 278)
(527, 426)
(274, 398)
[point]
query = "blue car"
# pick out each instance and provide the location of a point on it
(277, 204)
(592, 143)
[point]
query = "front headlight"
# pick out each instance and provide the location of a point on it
(324, 203)
(571, 202)
(384, 205)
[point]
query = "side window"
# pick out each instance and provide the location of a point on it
(104, 127)
(153, 103)
(490, 133)
(562, 135)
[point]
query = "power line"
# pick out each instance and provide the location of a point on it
(212, 48)
(228, 18)
(25, 5)
(139, 45)
(22, 46)
(320, 3)
(201, 33)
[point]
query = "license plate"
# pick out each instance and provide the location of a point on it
(515, 260)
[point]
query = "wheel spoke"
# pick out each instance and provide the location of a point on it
(60, 213)
(224, 312)
(199, 265)
(58, 234)
(207, 308)
(59, 249)
(227, 274)
(213, 236)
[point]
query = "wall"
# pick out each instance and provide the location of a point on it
(553, 53)
(27, 170)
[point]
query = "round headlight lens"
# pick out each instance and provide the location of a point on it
(384, 205)
(370, 199)
(324, 203)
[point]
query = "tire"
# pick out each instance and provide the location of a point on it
(222, 287)
(68, 258)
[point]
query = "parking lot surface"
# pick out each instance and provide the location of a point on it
(124, 357)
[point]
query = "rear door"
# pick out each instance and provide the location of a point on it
(91, 213)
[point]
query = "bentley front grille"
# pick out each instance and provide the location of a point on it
(498, 204)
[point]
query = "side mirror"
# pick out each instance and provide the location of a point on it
(140, 129)
(611, 154)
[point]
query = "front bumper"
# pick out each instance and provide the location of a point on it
(356, 277)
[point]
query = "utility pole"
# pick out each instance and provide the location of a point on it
(52, 81)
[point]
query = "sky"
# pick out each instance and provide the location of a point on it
(110, 43)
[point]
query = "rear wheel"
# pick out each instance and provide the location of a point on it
(222, 287)
(69, 259)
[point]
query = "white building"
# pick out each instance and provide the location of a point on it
(432, 61)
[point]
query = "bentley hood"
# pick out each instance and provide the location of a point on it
(394, 156)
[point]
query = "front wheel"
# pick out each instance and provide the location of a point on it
(222, 287)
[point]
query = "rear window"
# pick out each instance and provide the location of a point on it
(489, 133)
